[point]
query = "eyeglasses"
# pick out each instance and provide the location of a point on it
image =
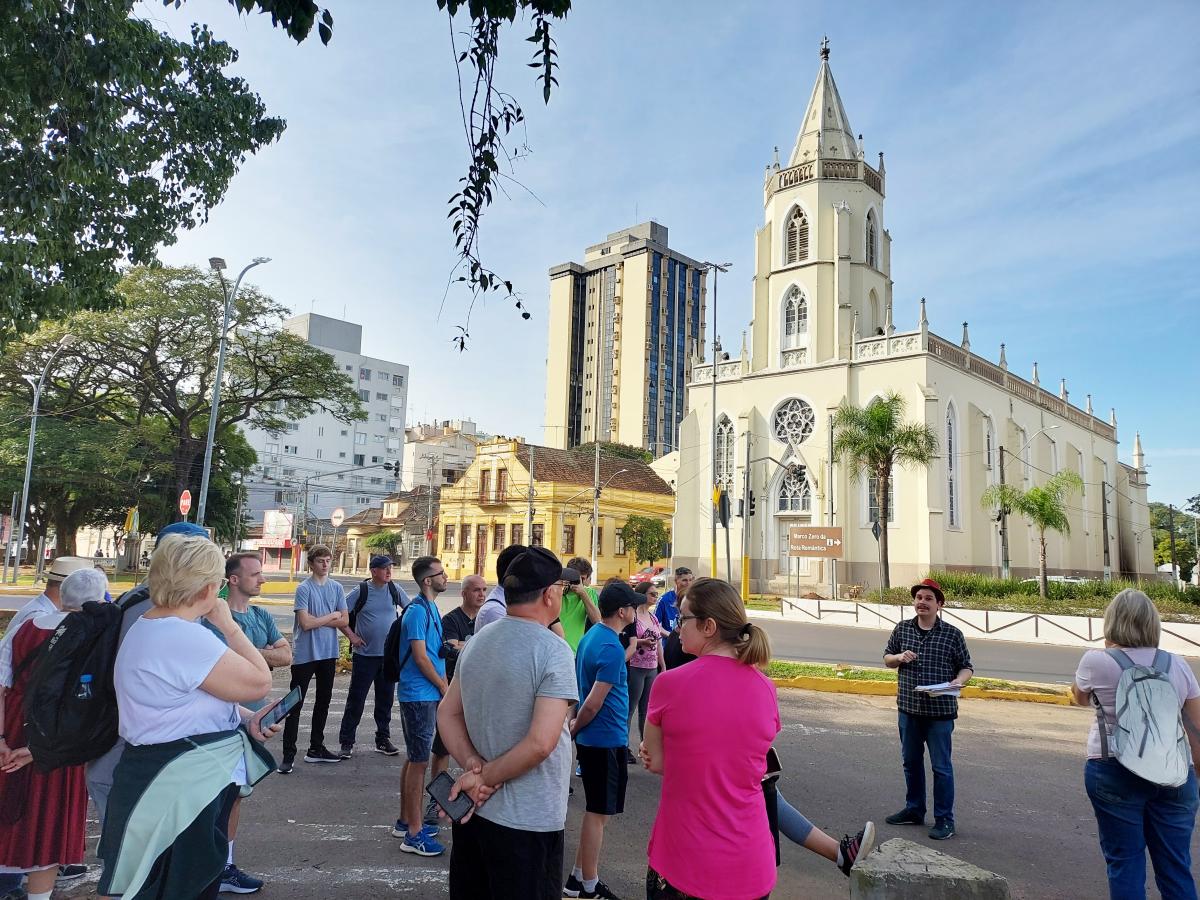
(440, 574)
(683, 619)
(564, 584)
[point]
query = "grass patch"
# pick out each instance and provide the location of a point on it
(765, 602)
(779, 668)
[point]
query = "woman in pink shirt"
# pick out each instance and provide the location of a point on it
(708, 730)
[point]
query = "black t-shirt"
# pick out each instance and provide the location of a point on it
(673, 654)
(456, 626)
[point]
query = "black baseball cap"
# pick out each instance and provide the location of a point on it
(535, 570)
(616, 595)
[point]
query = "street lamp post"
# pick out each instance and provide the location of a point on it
(1005, 566)
(63, 341)
(218, 265)
(715, 268)
(596, 511)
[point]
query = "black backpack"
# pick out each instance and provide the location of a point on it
(361, 600)
(392, 662)
(71, 701)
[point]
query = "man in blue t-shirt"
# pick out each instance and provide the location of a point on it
(422, 684)
(601, 731)
(667, 610)
(382, 600)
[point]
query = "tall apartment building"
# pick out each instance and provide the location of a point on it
(322, 448)
(624, 327)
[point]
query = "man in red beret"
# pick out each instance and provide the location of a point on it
(927, 651)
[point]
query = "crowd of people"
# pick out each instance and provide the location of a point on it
(520, 687)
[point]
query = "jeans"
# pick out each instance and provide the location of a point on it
(1134, 815)
(792, 823)
(640, 681)
(10, 883)
(302, 674)
(364, 672)
(917, 733)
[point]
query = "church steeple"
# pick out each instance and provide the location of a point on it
(825, 131)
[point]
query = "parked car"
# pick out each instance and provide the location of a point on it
(660, 580)
(646, 574)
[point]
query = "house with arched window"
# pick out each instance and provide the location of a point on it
(826, 329)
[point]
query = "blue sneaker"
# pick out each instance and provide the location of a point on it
(400, 830)
(235, 881)
(424, 844)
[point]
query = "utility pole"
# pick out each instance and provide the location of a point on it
(237, 519)
(429, 509)
(1104, 529)
(829, 493)
(712, 436)
(529, 509)
(8, 543)
(746, 488)
(595, 512)
(1005, 568)
(1174, 564)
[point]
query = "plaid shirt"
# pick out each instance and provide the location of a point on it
(941, 654)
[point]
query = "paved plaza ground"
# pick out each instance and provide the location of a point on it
(323, 831)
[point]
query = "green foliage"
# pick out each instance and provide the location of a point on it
(612, 450)
(645, 538)
(114, 136)
(975, 591)
(125, 408)
(871, 440)
(1185, 554)
(1044, 506)
(386, 540)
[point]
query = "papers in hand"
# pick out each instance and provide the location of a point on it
(945, 689)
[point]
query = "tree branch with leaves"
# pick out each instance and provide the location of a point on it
(1043, 506)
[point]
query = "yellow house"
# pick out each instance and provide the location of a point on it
(490, 507)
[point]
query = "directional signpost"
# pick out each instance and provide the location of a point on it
(815, 542)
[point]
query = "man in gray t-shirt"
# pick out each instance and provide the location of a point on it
(504, 719)
(382, 601)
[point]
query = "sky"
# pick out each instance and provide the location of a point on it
(1042, 174)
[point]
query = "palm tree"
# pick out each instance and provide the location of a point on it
(1044, 507)
(870, 440)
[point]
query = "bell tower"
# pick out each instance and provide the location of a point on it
(822, 260)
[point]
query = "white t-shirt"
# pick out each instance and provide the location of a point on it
(1099, 673)
(159, 669)
(38, 606)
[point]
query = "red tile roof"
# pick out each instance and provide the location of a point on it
(578, 467)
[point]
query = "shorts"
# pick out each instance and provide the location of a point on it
(418, 719)
(439, 749)
(605, 775)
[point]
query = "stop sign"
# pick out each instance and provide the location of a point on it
(337, 517)
(185, 502)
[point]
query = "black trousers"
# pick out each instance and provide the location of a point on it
(492, 862)
(302, 674)
(364, 672)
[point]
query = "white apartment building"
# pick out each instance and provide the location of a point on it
(324, 450)
(438, 453)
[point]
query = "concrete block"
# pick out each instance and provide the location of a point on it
(902, 870)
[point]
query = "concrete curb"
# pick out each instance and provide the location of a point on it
(888, 689)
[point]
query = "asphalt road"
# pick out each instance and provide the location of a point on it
(810, 642)
(1022, 812)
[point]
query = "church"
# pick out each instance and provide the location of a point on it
(825, 330)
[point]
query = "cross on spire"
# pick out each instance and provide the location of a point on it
(825, 47)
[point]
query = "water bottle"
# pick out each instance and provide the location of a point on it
(85, 688)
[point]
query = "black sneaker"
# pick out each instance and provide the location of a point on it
(573, 887)
(386, 747)
(942, 830)
(67, 874)
(600, 892)
(235, 881)
(321, 755)
(630, 759)
(852, 849)
(285, 767)
(346, 752)
(906, 816)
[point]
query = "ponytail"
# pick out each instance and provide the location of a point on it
(711, 598)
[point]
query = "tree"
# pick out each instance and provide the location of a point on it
(144, 375)
(1043, 506)
(645, 538)
(871, 441)
(113, 137)
(492, 119)
(1185, 554)
(386, 540)
(613, 450)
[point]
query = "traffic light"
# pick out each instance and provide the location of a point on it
(392, 468)
(752, 503)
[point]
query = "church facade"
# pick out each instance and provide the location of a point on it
(824, 330)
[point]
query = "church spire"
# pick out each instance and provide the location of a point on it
(825, 131)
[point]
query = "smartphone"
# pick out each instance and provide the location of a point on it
(439, 790)
(277, 712)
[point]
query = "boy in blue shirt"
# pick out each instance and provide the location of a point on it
(601, 730)
(422, 684)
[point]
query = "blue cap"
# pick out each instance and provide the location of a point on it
(380, 561)
(184, 529)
